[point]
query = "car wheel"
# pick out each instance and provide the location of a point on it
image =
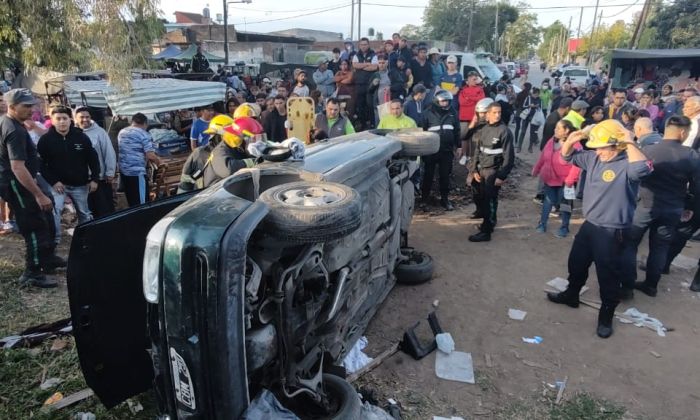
(417, 143)
(309, 212)
(276, 154)
(417, 269)
(344, 398)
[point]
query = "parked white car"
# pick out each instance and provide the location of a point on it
(577, 75)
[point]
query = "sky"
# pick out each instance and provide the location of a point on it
(334, 15)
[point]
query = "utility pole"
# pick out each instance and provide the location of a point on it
(590, 47)
(566, 40)
(469, 34)
(226, 32)
(359, 19)
(352, 21)
(640, 25)
(495, 31)
(580, 18)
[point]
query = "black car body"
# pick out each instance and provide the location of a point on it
(264, 280)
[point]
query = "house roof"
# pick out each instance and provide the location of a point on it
(677, 53)
(194, 17)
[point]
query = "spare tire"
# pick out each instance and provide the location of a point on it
(417, 269)
(276, 154)
(347, 402)
(308, 212)
(417, 143)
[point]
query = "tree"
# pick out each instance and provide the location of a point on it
(606, 38)
(448, 20)
(672, 25)
(521, 36)
(79, 35)
(413, 32)
(551, 45)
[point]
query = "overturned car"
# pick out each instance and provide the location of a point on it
(265, 280)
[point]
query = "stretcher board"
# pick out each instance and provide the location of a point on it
(300, 113)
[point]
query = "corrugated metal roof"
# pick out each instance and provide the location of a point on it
(677, 53)
(147, 96)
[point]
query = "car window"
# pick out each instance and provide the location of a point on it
(490, 70)
(576, 73)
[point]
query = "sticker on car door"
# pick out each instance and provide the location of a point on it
(184, 391)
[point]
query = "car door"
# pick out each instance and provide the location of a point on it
(107, 305)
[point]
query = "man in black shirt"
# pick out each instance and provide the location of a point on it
(663, 198)
(69, 164)
(365, 64)
(200, 63)
(420, 68)
(18, 186)
(275, 121)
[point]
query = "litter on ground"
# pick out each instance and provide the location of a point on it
(445, 342)
(356, 359)
(639, 319)
(516, 314)
(456, 366)
(534, 340)
(561, 284)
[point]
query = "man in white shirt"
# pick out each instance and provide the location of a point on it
(691, 109)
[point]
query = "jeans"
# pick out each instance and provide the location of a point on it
(604, 247)
(523, 130)
(517, 124)
(79, 196)
(554, 196)
(684, 231)
(661, 226)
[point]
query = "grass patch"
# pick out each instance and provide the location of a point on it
(577, 406)
(23, 370)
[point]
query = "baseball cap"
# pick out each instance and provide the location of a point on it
(433, 51)
(451, 59)
(565, 103)
(579, 105)
(19, 96)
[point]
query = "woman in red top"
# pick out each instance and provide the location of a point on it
(469, 95)
(556, 174)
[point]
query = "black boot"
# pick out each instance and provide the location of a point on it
(695, 285)
(480, 237)
(476, 215)
(55, 261)
(645, 288)
(605, 320)
(36, 279)
(568, 297)
(626, 294)
(445, 203)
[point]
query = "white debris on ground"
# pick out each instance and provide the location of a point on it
(445, 342)
(516, 314)
(561, 284)
(456, 366)
(639, 319)
(356, 359)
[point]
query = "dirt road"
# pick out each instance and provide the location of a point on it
(477, 283)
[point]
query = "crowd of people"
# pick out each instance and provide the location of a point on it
(631, 155)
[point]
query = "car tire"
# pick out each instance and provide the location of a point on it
(307, 211)
(417, 143)
(349, 405)
(417, 269)
(276, 154)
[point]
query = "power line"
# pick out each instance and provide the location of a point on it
(288, 11)
(403, 6)
(297, 16)
(623, 11)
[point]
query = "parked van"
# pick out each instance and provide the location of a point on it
(513, 69)
(479, 62)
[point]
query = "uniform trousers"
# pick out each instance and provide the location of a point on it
(602, 246)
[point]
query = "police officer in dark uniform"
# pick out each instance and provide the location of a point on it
(613, 173)
(663, 198)
(365, 64)
(492, 160)
(441, 118)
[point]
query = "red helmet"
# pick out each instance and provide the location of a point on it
(244, 128)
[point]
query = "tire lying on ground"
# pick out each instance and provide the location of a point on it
(347, 402)
(307, 211)
(417, 143)
(417, 269)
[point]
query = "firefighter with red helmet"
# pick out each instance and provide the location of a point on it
(230, 155)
